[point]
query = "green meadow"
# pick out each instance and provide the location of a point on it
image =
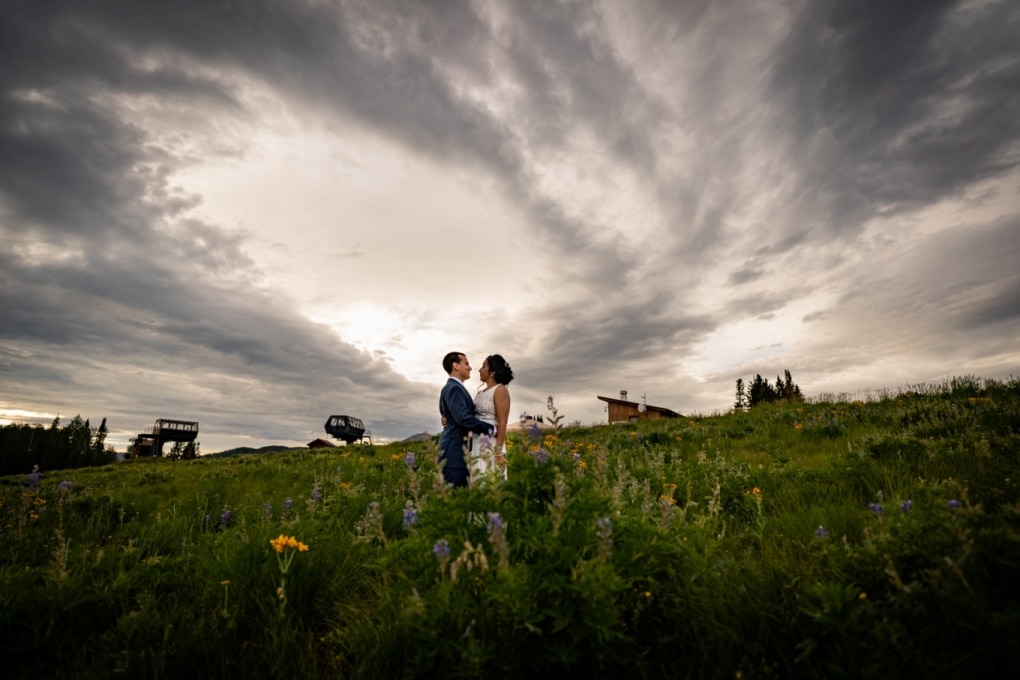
(857, 539)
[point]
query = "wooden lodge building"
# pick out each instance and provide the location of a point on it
(623, 411)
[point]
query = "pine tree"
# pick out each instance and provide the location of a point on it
(741, 401)
(792, 389)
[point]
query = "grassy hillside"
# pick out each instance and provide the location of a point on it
(858, 539)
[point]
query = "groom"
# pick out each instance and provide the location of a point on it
(457, 406)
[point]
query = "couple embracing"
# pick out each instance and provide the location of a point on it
(485, 416)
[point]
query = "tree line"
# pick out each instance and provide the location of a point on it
(760, 391)
(77, 444)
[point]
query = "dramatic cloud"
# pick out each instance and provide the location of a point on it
(256, 214)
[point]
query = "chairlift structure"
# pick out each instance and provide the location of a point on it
(347, 428)
(150, 443)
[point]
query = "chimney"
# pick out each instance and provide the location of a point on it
(623, 395)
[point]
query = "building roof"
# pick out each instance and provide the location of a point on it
(320, 444)
(669, 413)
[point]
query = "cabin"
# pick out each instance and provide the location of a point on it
(320, 444)
(347, 428)
(150, 443)
(623, 411)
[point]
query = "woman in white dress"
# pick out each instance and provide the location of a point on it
(492, 404)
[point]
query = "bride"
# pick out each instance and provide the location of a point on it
(492, 404)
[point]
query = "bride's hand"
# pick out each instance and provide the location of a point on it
(443, 420)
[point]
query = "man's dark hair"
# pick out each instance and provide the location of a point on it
(499, 369)
(450, 359)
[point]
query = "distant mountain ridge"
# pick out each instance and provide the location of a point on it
(273, 448)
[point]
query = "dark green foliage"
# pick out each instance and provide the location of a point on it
(762, 392)
(24, 447)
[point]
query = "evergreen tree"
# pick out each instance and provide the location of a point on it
(741, 401)
(792, 389)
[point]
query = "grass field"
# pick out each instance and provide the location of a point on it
(827, 539)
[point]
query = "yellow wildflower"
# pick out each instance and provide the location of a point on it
(281, 542)
(755, 491)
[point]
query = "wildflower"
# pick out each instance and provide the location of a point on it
(32, 478)
(876, 508)
(755, 491)
(534, 432)
(313, 502)
(410, 515)
(540, 455)
(821, 532)
(225, 518)
(498, 539)
(287, 504)
(442, 552)
(267, 511)
(205, 523)
(441, 549)
(281, 542)
(65, 486)
(953, 504)
(409, 459)
(906, 506)
(581, 464)
(576, 456)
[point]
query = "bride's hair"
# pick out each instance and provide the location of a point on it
(499, 369)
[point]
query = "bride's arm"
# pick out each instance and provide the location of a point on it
(501, 400)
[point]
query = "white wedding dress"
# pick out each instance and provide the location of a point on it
(482, 447)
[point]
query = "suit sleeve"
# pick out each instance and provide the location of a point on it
(463, 412)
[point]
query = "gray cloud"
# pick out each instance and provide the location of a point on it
(763, 140)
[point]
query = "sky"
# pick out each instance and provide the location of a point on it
(258, 213)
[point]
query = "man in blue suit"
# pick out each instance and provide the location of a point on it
(458, 408)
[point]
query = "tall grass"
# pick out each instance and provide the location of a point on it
(838, 538)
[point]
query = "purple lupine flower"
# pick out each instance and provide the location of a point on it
(205, 523)
(32, 478)
(953, 504)
(409, 459)
(410, 516)
(267, 511)
(821, 532)
(876, 508)
(313, 502)
(495, 521)
(534, 432)
(605, 525)
(906, 506)
(65, 486)
(225, 518)
(441, 550)
(577, 456)
(540, 455)
(287, 504)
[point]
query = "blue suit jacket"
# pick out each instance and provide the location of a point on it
(456, 405)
